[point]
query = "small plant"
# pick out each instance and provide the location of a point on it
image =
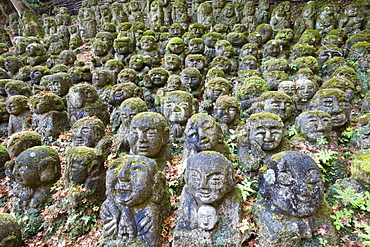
(247, 188)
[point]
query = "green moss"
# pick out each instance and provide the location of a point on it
(260, 115)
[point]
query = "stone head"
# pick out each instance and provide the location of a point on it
(158, 76)
(67, 57)
(249, 49)
(23, 140)
(101, 78)
(237, 39)
(218, 4)
(276, 102)
(217, 87)
(227, 110)
(177, 106)
(137, 62)
(106, 37)
(342, 84)
(198, 29)
(306, 89)
(209, 177)
(191, 77)
(334, 102)
(123, 45)
(288, 87)
(255, 38)
(148, 43)
(87, 132)
(211, 38)
(37, 166)
(221, 62)
(196, 46)
(148, 134)
(129, 108)
(207, 217)
(100, 48)
(314, 125)
(292, 182)
(10, 232)
(83, 163)
(361, 138)
(272, 48)
(197, 61)
(203, 133)
(45, 102)
(12, 64)
(16, 87)
(37, 72)
(171, 62)
(248, 62)
(265, 129)
(175, 45)
(59, 83)
(177, 30)
(123, 91)
(133, 180)
(265, 30)
(128, 75)
(35, 49)
(220, 47)
(17, 104)
(173, 83)
(327, 52)
(81, 95)
(114, 65)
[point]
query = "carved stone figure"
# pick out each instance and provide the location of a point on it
(101, 55)
(85, 170)
(83, 101)
(148, 136)
(36, 54)
(124, 48)
(176, 46)
(290, 186)
(306, 20)
(220, 203)
(59, 83)
(10, 232)
(361, 139)
(228, 16)
(263, 12)
(334, 102)
(156, 15)
(288, 87)
(353, 19)
(227, 112)
(197, 61)
(49, 116)
(205, 15)
(148, 45)
(179, 13)
(326, 19)
(249, 19)
(172, 63)
(35, 171)
(306, 89)
(314, 127)
(15, 87)
(280, 16)
(87, 22)
(264, 137)
(118, 14)
(214, 88)
(19, 119)
(136, 201)
(177, 107)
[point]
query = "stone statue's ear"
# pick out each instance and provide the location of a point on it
(94, 168)
(158, 187)
(47, 170)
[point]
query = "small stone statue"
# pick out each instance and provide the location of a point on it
(305, 90)
(228, 16)
(35, 171)
(288, 87)
(205, 15)
(361, 139)
(249, 19)
(177, 107)
(134, 209)
(85, 168)
(36, 54)
(156, 15)
(227, 112)
(192, 78)
(290, 202)
(101, 55)
(172, 63)
(353, 19)
(214, 88)
(18, 109)
(90, 132)
(49, 116)
(10, 232)
(280, 16)
(148, 45)
(209, 203)
(148, 136)
(264, 137)
(326, 19)
(124, 48)
(314, 127)
(263, 12)
(306, 20)
(59, 83)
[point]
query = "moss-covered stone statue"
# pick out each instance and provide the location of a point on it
(85, 171)
(214, 88)
(137, 202)
(227, 113)
(210, 204)
(290, 206)
(10, 231)
(264, 137)
(36, 54)
(360, 138)
(306, 89)
(18, 109)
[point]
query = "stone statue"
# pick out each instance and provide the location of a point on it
(36, 54)
(124, 48)
(49, 116)
(203, 133)
(334, 102)
(179, 13)
(307, 19)
(85, 171)
(136, 203)
(214, 88)
(83, 101)
(264, 137)
(10, 232)
(16, 87)
(177, 107)
(148, 45)
(18, 109)
(290, 201)
(280, 16)
(197, 61)
(306, 89)
(127, 110)
(35, 171)
(176, 46)
(288, 87)
(172, 63)
(90, 132)
(192, 78)
(209, 203)
(227, 112)
(148, 136)
(326, 19)
(59, 83)
(217, 7)
(156, 15)
(101, 55)
(360, 139)
(118, 14)
(263, 12)
(205, 15)
(228, 16)
(314, 127)
(249, 19)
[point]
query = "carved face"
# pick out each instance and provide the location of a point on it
(222, 63)
(295, 184)
(177, 108)
(121, 47)
(327, 54)
(282, 108)
(121, 93)
(306, 89)
(85, 135)
(196, 47)
(248, 64)
(267, 133)
(272, 49)
(207, 182)
(26, 175)
(171, 63)
(146, 137)
(196, 62)
(127, 114)
(79, 170)
(158, 78)
(207, 217)
(100, 49)
(134, 182)
(176, 47)
(337, 107)
(36, 76)
(225, 114)
(136, 63)
(228, 11)
(190, 80)
(14, 107)
(315, 125)
(249, 49)
(217, 88)
(287, 87)
(203, 133)
(218, 4)
(100, 78)
(58, 85)
(147, 44)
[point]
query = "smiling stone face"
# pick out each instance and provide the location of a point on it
(177, 106)
(292, 181)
